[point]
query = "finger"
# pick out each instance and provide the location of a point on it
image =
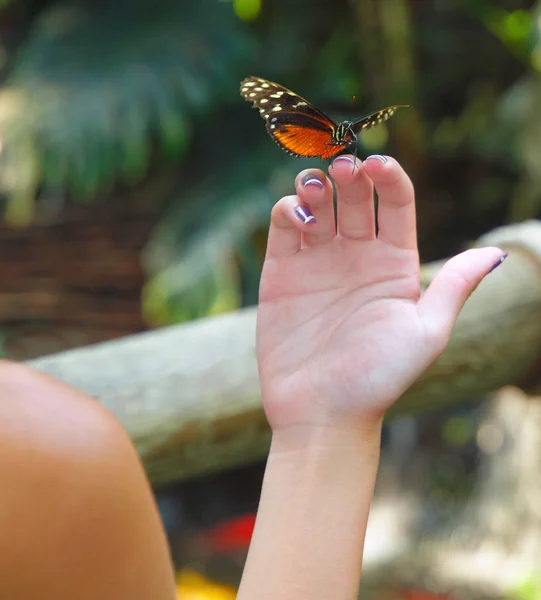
(355, 199)
(289, 219)
(396, 202)
(315, 191)
(444, 298)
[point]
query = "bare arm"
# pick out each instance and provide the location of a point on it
(342, 333)
(308, 542)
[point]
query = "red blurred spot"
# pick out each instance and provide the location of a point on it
(232, 535)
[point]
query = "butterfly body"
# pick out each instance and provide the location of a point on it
(344, 134)
(298, 127)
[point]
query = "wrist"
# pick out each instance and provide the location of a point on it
(357, 435)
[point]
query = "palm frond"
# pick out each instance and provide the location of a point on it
(94, 92)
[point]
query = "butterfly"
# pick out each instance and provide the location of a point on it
(299, 128)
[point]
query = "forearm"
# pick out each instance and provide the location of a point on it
(309, 536)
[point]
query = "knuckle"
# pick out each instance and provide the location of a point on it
(457, 280)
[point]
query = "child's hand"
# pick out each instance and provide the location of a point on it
(342, 330)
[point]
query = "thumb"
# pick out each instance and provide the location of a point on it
(444, 298)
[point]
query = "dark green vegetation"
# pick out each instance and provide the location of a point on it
(102, 97)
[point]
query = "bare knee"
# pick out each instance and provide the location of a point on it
(39, 411)
(76, 509)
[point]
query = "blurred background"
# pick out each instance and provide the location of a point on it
(136, 188)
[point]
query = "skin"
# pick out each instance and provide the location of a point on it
(342, 332)
(77, 516)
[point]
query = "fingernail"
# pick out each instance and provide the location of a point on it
(350, 160)
(304, 214)
(502, 258)
(311, 179)
(380, 157)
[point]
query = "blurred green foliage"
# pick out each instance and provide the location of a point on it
(100, 95)
(528, 589)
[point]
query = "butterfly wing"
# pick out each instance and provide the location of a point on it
(375, 118)
(301, 141)
(295, 124)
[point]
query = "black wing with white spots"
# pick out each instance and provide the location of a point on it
(375, 118)
(273, 99)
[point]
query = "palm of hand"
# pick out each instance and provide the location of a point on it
(338, 322)
(342, 331)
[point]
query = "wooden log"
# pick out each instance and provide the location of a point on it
(189, 395)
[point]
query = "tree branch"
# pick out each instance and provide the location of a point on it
(189, 395)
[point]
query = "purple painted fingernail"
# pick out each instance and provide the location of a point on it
(502, 258)
(304, 214)
(350, 160)
(380, 157)
(312, 179)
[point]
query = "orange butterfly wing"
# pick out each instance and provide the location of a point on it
(295, 125)
(300, 140)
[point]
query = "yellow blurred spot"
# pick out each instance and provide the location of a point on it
(375, 138)
(228, 285)
(536, 58)
(191, 585)
(19, 211)
(247, 10)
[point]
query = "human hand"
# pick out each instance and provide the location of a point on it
(342, 330)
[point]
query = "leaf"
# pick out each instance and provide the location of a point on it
(106, 88)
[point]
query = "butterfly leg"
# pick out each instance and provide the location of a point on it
(331, 157)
